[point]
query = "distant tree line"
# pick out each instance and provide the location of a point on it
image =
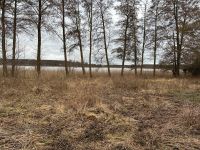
(169, 30)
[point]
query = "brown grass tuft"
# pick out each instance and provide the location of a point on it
(76, 112)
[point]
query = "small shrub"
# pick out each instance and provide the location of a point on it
(194, 69)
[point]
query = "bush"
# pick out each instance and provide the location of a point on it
(194, 69)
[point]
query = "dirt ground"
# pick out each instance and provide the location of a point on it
(78, 113)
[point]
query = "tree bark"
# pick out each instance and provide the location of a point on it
(177, 38)
(14, 39)
(155, 41)
(5, 71)
(78, 24)
(174, 50)
(125, 45)
(39, 38)
(105, 42)
(135, 49)
(91, 25)
(64, 38)
(144, 40)
(81, 51)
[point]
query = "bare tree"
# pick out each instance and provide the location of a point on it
(125, 9)
(155, 22)
(60, 11)
(134, 28)
(180, 15)
(88, 6)
(36, 13)
(75, 30)
(144, 35)
(39, 25)
(104, 7)
(3, 9)
(78, 27)
(14, 38)
(64, 37)
(128, 33)
(155, 37)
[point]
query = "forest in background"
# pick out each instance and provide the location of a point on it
(168, 30)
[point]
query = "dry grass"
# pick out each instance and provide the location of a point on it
(58, 113)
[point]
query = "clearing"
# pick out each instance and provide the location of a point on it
(78, 113)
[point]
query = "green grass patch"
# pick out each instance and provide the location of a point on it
(193, 96)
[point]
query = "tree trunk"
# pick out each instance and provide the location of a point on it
(78, 24)
(155, 42)
(39, 39)
(91, 25)
(14, 39)
(5, 71)
(177, 38)
(81, 51)
(174, 48)
(135, 49)
(105, 43)
(64, 38)
(181, 44)
(144, 40)
(125, 45)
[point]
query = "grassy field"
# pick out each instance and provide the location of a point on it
(79, 113)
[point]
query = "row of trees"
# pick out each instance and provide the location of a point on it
(168, 29)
